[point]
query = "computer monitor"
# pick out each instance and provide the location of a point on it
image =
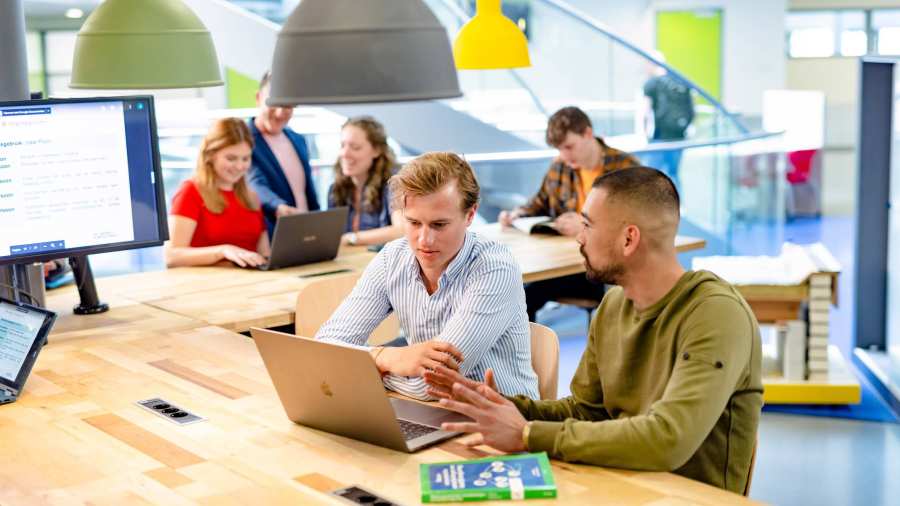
(79, 176)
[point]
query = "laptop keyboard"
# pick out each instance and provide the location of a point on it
(413, 430)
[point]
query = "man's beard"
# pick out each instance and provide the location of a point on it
(610, 274)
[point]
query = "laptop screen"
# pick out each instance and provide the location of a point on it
(23, 330)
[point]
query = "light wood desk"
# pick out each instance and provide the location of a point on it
(156, 285)
(551, 256)
(76, 436)
(264, 304)
(227, 296)
(238, 299)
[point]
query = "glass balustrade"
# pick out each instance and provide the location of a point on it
(730, 180)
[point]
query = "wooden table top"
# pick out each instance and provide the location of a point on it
(155, 285)
(237, 299)
(551, 256)
(77, 436)
(224, 295)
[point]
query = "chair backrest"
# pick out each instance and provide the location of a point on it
(750, 471)
(319, 298)
(545, 359)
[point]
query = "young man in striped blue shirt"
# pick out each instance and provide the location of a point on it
(458, 296)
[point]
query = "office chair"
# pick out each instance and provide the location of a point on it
(321, 296)
(545, 359)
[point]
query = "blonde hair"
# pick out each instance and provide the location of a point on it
(379, 174)
(428, 173)
(222, 134)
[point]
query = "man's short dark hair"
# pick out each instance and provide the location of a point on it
(565, 120)
(643, 187)
(264, 80)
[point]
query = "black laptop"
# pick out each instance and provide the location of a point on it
(306, 238)
(23, 332)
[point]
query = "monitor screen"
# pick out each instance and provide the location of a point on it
(22, 332)
(79, 176)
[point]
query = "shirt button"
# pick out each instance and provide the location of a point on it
(686, 356)
(719, 364)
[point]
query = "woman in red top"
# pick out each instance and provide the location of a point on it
(215, 215)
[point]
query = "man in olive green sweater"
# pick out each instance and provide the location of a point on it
(670, 379)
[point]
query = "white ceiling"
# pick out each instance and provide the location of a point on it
(51, 8)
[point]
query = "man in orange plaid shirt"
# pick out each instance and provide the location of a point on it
(582, 159)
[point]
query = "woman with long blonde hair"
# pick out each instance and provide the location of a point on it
(361, 174)
(215, 216)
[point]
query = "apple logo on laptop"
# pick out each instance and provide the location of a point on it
(326, 389)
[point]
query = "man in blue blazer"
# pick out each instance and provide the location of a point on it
(280, 173)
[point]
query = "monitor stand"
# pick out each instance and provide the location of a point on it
(87, 291)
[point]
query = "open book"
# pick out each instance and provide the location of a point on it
(536, 225)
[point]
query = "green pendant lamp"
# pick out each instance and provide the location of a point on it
(352, 51)
(490, 40)
(144, 44)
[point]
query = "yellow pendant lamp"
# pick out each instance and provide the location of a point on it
(490, 40)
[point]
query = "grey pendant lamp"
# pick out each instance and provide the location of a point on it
(352, 51)
(144, 44)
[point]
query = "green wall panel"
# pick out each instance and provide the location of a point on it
(692, 43)
(36, 82)
(240, 89)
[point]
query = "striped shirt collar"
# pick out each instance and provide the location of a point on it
(454, 268)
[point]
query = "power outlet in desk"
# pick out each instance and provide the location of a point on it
(357, 495)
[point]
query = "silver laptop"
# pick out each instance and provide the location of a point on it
(306, 238)
(338, 389)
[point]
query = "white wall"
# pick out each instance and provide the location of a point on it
(244, 42)
(842, 4)
(753, 45)
(838, 78)
(571, 63)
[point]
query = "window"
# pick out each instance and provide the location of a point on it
(811, 34)
(60, 47)
(854, 43)
(34, 47)
(823, 34)
(854, 40)
(886, 26)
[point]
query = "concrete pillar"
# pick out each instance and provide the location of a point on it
(14, 86)
(13, 56)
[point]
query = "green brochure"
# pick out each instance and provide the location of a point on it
(522, 476)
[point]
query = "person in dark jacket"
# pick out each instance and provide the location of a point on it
(280, 173)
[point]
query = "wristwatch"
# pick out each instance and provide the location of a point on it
(352, 238)
(526, 431)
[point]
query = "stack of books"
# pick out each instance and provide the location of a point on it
(792, 341)
(820, 298)
(794, 290)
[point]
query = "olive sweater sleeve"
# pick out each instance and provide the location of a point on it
(714, 352)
